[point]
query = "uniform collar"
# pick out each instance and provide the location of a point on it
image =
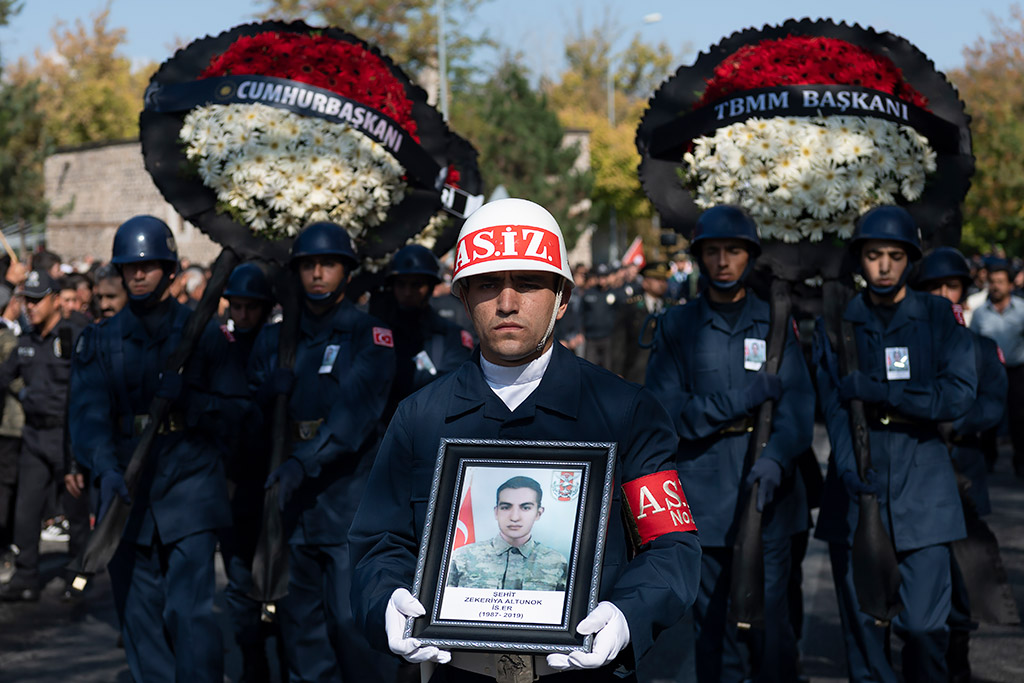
(337, 318)
(911, 308)
(558, 392)
(137, 328)
(500, 546)
(754, 310)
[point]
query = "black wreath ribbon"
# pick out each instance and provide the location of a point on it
(304, 99)
(670, 139)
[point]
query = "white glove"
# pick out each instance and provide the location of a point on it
(401, 606)
(609, 623)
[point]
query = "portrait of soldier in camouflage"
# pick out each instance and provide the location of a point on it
(512, 559)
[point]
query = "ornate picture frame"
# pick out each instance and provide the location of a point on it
(513, 544)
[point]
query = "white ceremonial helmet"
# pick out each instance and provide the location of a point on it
(510, 234)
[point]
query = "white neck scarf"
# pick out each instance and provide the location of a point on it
(514, 384)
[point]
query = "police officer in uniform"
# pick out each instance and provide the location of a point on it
(639, 318)
(42, 360)
(162, 574)
(600, 304)
(250, 301)
(520, 385)
(944, 272)
(344, 364)
(706, 368)
(427, 346)
(912, 375)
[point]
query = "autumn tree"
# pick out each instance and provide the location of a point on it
(581, 99)
(405, 30)
(89, 92)
(521, 146)
(991, 83)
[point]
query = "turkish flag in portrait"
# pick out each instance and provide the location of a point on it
(464, 534)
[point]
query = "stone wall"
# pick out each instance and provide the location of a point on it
(94, 189)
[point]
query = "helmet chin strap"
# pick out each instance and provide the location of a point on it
(551, 323)
(327, 296)
(731, 286)
(143, 302)
(891, 289)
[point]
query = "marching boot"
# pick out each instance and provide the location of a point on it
(957, 661)
(255, 668)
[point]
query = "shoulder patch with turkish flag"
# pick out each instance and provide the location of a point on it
(1002, 358)
(958, 313)
(382, 336)
(655, 505)
(467, 340)
(227, 333)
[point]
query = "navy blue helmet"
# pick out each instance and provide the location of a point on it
(890, 223)
(726, 222)
(941, 263)
(325, 239)
(143, 238)
(248, 280)
(415, 259)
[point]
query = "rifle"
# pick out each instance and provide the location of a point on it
(876, 574)
(981, 565)
(746, 590)
(270, 563)
(105, 539)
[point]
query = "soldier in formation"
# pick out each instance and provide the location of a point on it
(707, 369)
(162, 573)
(944, 272)
(337, 392)
(911, 376)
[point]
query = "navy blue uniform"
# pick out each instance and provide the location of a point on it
(162, 574)
(986, 413)
(575, 401)
(698, 373)
(247, 468)
(344, 364)
(969, 460)
(418, 333)
(919, 503)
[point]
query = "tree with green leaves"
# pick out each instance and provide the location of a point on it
(520, 142)
(991, 83)
(89, 92)
(23, 146)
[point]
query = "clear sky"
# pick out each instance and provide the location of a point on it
(940, 28)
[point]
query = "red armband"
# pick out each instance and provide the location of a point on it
(655, 505)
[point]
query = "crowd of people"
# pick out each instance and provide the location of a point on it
(675, 361)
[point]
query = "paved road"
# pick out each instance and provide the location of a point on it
(76, 643)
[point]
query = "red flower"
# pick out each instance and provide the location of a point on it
(345, 68)
(806, 60)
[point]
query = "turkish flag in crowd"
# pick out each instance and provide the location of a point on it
(635, 253)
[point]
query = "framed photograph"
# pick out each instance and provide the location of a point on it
(513, 543)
